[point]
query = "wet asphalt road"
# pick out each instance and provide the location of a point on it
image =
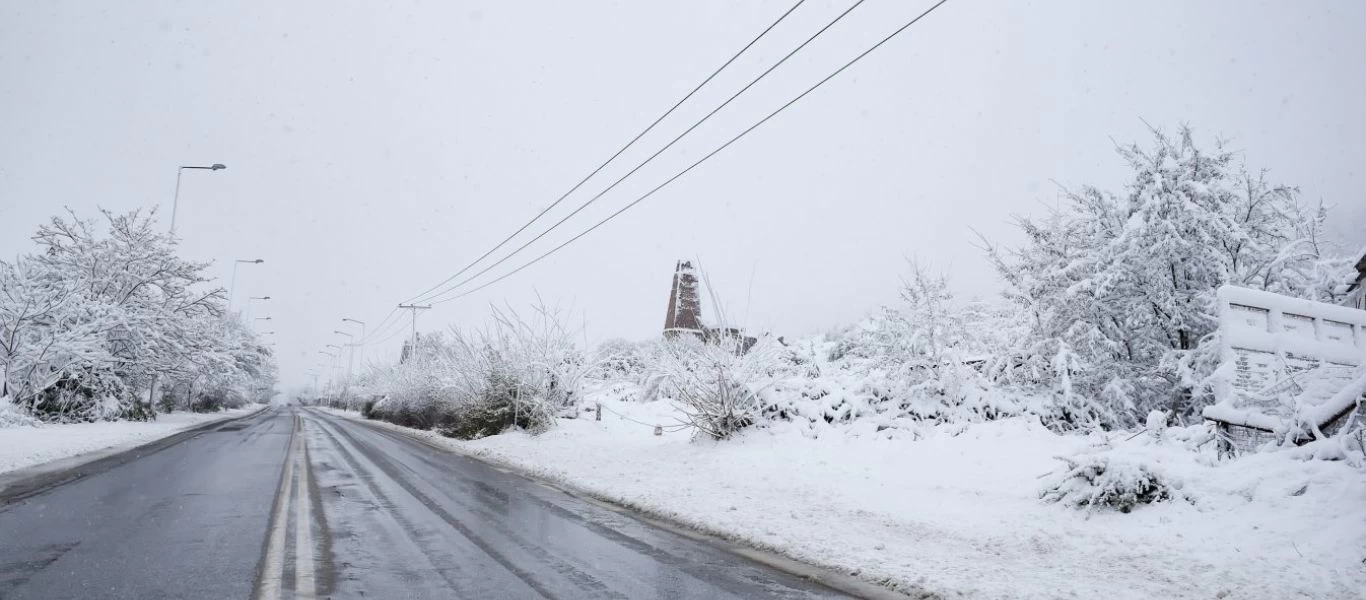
(300, 504)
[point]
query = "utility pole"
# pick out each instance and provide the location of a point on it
(414, 308)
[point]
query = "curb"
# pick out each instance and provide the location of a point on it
(33, 480)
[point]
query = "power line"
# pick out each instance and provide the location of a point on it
(651, 158)
(386, 325)
(614, 156)
(382, 324)
(708, 155)
(394, 333)
(380, 330)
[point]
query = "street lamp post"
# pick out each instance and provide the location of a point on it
(362, 338)
(350, 354)
(232, 289)
(336, 361)
(332, 365)
(175, 202)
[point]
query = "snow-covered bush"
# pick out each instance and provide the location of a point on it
(519, 372)
(926, 359)
(718, 386)
(12, 416)
(621, 359)
(1126, 469)
(1108, 481)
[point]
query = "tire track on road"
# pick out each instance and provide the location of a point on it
(388, 508)
(578, 578)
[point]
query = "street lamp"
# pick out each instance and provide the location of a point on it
(350, 355)
(336, 361)
(232, 289)
(176, 201)
(362, 338)
(262, 298)
(333, 356)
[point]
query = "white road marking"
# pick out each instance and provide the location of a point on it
(275, 550)
(305, 582)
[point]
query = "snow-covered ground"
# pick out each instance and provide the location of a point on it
(22, 447)
(956, 513)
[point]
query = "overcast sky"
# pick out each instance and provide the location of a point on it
(375, 148)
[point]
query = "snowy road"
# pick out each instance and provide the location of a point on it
(298, 504)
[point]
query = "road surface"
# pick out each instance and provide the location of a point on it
(295, 503)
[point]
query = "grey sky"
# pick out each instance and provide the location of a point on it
(375, 148)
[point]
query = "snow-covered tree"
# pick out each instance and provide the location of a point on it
(46, 331)
(106, 310)
(1118, 289)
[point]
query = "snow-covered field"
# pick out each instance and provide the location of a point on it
(956, 513)
(22, 447)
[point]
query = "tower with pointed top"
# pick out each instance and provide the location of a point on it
(685, 307)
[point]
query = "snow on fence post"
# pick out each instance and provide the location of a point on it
(597, 412)
(1269, 345)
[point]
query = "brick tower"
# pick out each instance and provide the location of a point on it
(685, 308)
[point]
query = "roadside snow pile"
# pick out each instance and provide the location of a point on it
(954, 510)
(22, 447)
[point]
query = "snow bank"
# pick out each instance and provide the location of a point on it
(22, 447)
(957, 513)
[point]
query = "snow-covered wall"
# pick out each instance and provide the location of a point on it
(1274, 347)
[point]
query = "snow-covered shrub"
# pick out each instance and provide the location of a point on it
(521, 372)
(13, 416)
(927, 359)
(1354, 445)
(716, 385)
(1108, 481)
(619, 359)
